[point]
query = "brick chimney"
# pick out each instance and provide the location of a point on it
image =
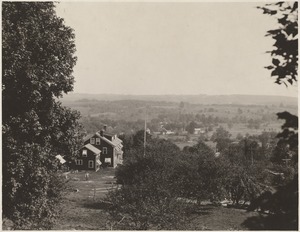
(103, 130)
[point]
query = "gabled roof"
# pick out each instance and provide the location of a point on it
(92, 148)
(108, 134)
(87, 137)
(117, 143)
(118, 140)
(105, 139)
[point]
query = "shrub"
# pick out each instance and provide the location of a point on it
(144, 207)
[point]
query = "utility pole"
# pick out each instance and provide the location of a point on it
(248, 149)
(245, 147)
(145, 133)
(251, 152)
(251, 155)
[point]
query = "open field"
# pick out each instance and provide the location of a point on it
(82, 210)
(240, 128)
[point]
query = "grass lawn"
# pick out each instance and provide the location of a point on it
(82, 210)
(220, 218)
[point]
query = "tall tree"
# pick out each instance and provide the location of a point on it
(284, 202)
(191, 127)
(285, 59)
(38, 60)
(222, 138)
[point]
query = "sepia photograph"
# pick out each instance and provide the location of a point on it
(150, 115)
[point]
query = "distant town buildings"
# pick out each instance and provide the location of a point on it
(198, 131)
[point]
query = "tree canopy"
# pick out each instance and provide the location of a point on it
(38, 60)
(285, 68)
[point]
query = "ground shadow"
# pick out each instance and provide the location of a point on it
(202, 210)
(271, 222)
(200, 213)
(97, 205)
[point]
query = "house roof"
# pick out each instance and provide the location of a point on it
(106, 133)
(117, 143)
(88, 137)
(61, 159)
(119, 140)
(92, 148)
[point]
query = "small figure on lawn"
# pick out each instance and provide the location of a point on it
(87, 175)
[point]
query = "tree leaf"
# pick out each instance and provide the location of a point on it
(295, 6)
(274, 72)
(269, 67)
(275, 61)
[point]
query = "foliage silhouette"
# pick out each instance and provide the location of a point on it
(38, 60)
(284, 202)
(285, 53)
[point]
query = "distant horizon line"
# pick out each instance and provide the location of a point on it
(132, 94)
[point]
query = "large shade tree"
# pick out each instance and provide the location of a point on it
(284, 202)
(37, 64)
(285, 59)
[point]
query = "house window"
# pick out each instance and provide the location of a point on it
(104, 150)
(98, 141)
(79, 162)
(84, 153)
(92, 141)
(108, 160)
(91, 164)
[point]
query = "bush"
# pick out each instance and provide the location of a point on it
(158, 188)
(146, 199)
(144, 207)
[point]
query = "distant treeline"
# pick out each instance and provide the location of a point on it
(128, 116)
(194, 99)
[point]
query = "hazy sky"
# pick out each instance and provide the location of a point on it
(171, 48)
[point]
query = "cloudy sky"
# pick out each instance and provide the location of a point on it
(171, 48)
